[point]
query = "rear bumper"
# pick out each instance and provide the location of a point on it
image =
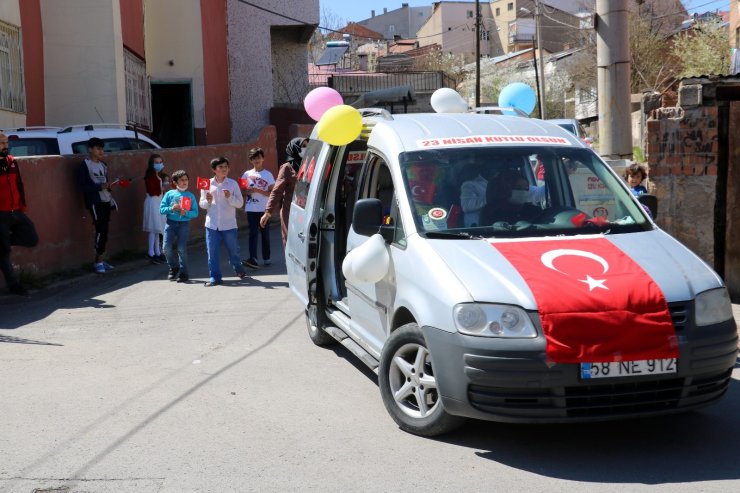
(510, 380)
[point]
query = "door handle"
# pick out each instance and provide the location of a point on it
(301, 236)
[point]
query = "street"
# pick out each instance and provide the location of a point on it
(129, 383)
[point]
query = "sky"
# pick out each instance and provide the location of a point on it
(357, 10)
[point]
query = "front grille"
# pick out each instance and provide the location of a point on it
(623, 398)
(602, 400)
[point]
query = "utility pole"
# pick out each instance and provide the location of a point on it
(538, 35)
(613, 74)
(477, 53)
(536, 79)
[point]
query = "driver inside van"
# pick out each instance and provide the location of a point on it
(508, 199)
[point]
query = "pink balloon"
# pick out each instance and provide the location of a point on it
(321, 99)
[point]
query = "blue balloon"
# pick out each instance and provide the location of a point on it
(518, 95)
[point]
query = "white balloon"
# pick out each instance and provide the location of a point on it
(368, 263)
(347, 265)
(446, 100)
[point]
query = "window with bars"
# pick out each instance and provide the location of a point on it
(12, 89)
(138, 92)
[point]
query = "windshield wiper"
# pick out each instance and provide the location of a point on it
(451, 235)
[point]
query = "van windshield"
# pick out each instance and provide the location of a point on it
(517, 192)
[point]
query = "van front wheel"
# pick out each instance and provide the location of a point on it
(315, 326)
(408, 385)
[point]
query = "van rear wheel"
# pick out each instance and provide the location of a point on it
(315, 326)
(408, 385)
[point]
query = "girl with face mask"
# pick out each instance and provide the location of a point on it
(154, 222)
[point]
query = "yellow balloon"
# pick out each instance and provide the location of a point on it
(340, 125)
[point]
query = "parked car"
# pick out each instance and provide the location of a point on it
(573, 126)
(39, 141)
(564, 302)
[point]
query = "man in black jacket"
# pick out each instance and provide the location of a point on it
(15, 227)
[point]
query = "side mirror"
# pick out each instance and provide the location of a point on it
(651, 202)
(367, 216)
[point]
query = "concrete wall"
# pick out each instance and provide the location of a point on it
(83, 62)
(177, 38)
(250, 59)
(64, 225)
(450, 27)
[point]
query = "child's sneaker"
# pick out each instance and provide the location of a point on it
(268, 262)
(99, 267)
(183, 278)
(172, 274)
(107, 266)
(251, 263)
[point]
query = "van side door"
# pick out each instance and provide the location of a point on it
(302, 247)
(371, 304)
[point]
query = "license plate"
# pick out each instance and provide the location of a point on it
(628, 368)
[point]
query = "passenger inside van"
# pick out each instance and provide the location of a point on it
(508, 199)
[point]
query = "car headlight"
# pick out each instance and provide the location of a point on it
(478, 319)
(712, 307)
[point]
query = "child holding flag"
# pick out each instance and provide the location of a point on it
(258, 190)
(221, 197)
(180, 206)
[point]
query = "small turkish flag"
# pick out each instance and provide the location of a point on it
(243, 183)
(186, 203)
(204, 183)
(123, 182)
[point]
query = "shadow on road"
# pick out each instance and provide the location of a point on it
(18, 340)
(696, 446)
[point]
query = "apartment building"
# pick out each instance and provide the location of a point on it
(186, 71)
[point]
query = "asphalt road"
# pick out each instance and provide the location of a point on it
(130, 383)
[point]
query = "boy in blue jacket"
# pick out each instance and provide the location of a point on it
(180, 206)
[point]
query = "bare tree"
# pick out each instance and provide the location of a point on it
(330, 22)
(652, 66)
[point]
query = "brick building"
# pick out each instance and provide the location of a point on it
(694, 158)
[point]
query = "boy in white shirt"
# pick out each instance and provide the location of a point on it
(221, 201)
(260, 185)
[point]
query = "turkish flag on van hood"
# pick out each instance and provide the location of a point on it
(595, 303)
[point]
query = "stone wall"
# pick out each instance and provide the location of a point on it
(682, 147)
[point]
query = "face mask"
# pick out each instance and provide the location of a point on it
(158, 167)
(519, 197)
(182, 189)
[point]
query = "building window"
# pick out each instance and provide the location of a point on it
(510, 6)
(138, 93)
(498, 11)
(470, 14)
(12, 90)
(484, 35)
(391, 28)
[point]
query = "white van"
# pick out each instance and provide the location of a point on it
(428, 249)
(43, 141)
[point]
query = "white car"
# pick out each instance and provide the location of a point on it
(560, 302)
(40, 141)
